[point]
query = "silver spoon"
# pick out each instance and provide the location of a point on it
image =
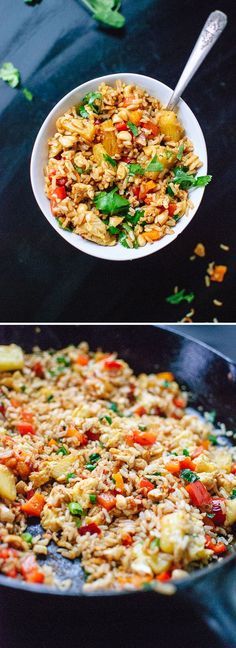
(211, 31)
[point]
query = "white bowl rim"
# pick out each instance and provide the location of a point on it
(93, 249)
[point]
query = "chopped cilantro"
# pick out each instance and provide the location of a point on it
(27, 537)
(180, 152)
(113, 230)
(23, 388)
(79, 169)
(113, 407)
(27, 94)
(93, 498)
(136, 169)
(180, 296)
(62, 450)
(122, 239)
(155, 165)
(62, 360)
(110, 202)
(133, 128)
(186, 180)
(142, 428)
(70, 476)
(49, 398)
(107, 418)
(186, 452)
(189, 475)
(109, 159)
(233, 494)
(94, 457)
(75, 508)
(213, 439)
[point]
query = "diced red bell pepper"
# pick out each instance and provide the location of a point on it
(61, 181)
(173, 467)
(121, 126)
(35, 576)
(217, 507)
(30, 570)
(38, 369)
(60, 193)
(25, 428)
(233, 469)
(171, 211)
(112, 365)
(198, 494)
(164, 576)
(82, 360)
(146, 484)
(92, 436)
(149, 125)
(136, 191)
(34, 506)
(127, 539)
(89, 528)
(217, 547)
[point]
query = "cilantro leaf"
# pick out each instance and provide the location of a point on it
(113, 230)
(110, 202)
(180, 296)
(135, 219)
(27, 94)
(10, 74)
(78, 169)
(136, 169)
(180, 152)
(81, 111)
(186, 180)
(189, 475)
(155, 165)
(133, 128)
(122, 239)
(106, 12)
(109, 159)
(233, 494)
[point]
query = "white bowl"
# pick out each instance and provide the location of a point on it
(39, 160)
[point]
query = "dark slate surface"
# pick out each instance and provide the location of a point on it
(57, 45)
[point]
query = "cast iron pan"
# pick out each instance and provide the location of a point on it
(201, 614)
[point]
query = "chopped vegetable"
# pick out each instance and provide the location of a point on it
(186, 452)
(62, 360)
(107, 500)
(198, 494)
(213, 439)
(89, 528)
(75, 508)
(144, 438)
(34, 506)
(133, 128)
(218, 273)
(112, 365)
(70, 476)
(154, 165)
(173, 467)
(146, 484)
(165, 375)
(189, 475)
(62, 450)
(93, 498)
(106, 12)
(25, 428)
(188, 181)
(27, 537)
(109, 159)
(217, 547)
(110, 202)
(187, 463)
(27, 94)
(233, 494)
(180, 296)
(107, 418)
(149, 125)
(10, 74)
(119, 482)
(82, 360)
(217, 508)
(180, 152)
(136, 169)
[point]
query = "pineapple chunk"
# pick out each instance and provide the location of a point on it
(99, 151)
(109, 137)
(203, 464)
(61, 466)
(170, 126)
(172, 531)
(11, 357)
(164, 155)
(223, 459)
(135, 116)
(7, 484)
(230, 511)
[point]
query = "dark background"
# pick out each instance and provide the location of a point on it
(57, 45)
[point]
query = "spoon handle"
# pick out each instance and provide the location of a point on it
(212, 29)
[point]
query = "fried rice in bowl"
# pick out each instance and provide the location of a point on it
(114, 172)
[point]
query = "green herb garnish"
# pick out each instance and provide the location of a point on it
(94, 457)
(136, 218)
(107, 418)
(23, 388)
(122, 239)
(49, 398)
(106, 11)
(186, 452)
(133, 128)
(93, 498)
(155, 165)
(62, 360)
(62, 450)
(10, 74)
(142, 428)
(27, 94)
(70, 476)
(109, 159)
(113, 230)
(27, 537)
(82, 112)
(189, 475)
(90, 467)
(213, 439)
(180, 296)
(110, 202)
(113, 407)
(186, 180)
(180, 152)
(155, 543)
(233, 494)
(136, 169)
(75, 508)
(79, 169)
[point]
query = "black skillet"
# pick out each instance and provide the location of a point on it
(201, 614)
